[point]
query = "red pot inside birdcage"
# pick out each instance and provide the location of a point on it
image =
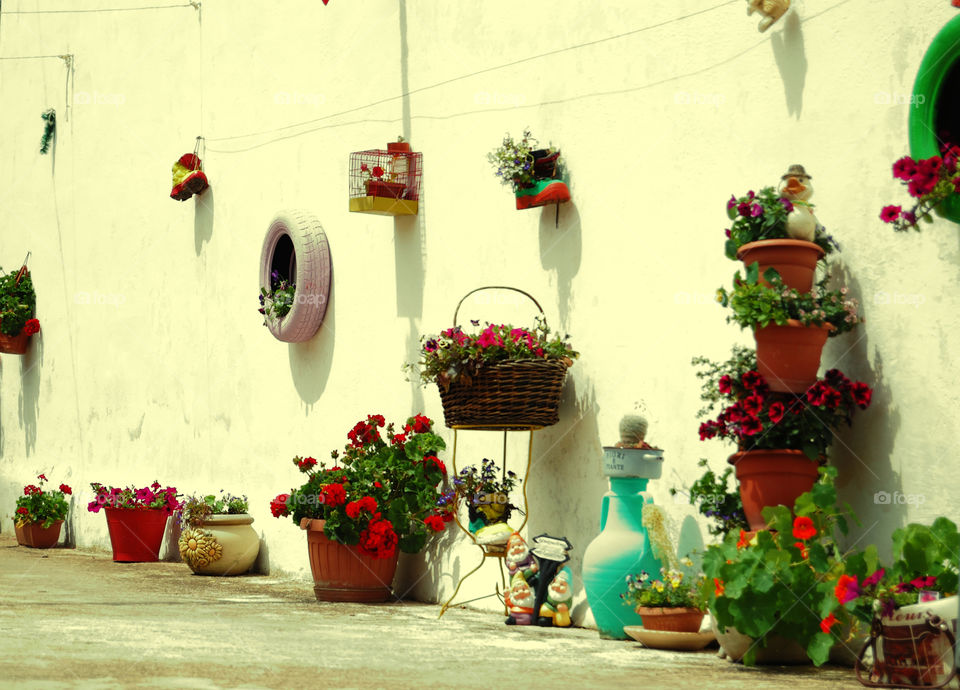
(385, 182)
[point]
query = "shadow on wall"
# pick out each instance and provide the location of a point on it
(409, 251)
(791, 61)
(566, 463)
(423, 576)
(560, 252)
(203, 219)
(310, 362)
(30, 365)
(863, 453)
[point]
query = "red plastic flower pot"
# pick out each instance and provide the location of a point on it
(771, 478)
(788, 357)
(795, 260)
(37, 536)
(136, 535)
(344, 573)
(15, 344)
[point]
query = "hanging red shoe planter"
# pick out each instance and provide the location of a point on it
(386, 183)
(188, 175)
(535, 174)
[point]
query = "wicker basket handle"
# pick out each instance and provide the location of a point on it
(495, 287)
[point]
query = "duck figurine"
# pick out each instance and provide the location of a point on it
(795, 187)
(771, 10)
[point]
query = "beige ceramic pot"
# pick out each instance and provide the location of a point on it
(223, 545)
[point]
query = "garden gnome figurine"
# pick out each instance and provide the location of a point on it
(551, 553)
(519, 559)
(556, 609)
(520, 601)
(771, 10)
(796, 187)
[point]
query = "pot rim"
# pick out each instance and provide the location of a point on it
(228, 519)
(788, 452)
(796, 323)
(784, 242)
(669, 610)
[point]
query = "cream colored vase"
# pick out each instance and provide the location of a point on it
(223, 545)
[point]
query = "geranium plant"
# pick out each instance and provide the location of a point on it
(757, 419)
(716, 501)
(195, 509)
(756, 305)
(383, 493)
(514, 160)
(486, 491)
(40, 507)
(930, 181)
(763, 216)
(673, 589)
(130, 498)
(18, 303)
(456, 355)
(277, 302)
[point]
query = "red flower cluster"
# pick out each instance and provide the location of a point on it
(420, 424)
(30, 489)
(378, 540)
(364, 433)
(31, 326)
(435, 522)
(432, 461)
(66, 489)
(278, 506)
(930, 181)
(306, 463)
(367, 503)
(334, 494)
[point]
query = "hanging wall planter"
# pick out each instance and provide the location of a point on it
(535, 174)
(295, 272)
(18, 303)
(386, 183)
(188, 175)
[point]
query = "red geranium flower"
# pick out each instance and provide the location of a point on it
(278, 506)
(66, 489)
(306, 463)
(422, 424)
(378, 540)
(435, 523)
(31, 326)
(333, 494)
(23, 510)
(803, 528)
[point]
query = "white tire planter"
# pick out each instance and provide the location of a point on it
(310, 270)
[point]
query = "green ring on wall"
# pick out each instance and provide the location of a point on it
(940, 57)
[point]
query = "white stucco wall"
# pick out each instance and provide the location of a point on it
(167, 372)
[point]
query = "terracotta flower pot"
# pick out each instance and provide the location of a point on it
(344, 573)
(771, 478)
(795, 260)
(671, 619)
(35, 535)
(788, 357)
(223, 545)
(15, 344)
(136, 535)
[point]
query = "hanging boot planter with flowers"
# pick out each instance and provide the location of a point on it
(533, 173)
(386, 183)
(188, 175)
(18, 303)
(790, 327)
(778, 230)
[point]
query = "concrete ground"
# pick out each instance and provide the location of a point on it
(75, 619)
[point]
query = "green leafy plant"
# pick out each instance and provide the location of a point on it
(756, 305)
(486, 491)
(716, 375)
(763, 216)
(716, 501)
(758, 419)
(49, 117)
(384, 494)
(277, 302)
(37, 506)
(195, 509)
(18, 303)
(514, 160)
(673, 589)
(456, 355)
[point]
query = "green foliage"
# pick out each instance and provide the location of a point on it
(18, 302)
(715, 500)
(756, 304)
(37, 506)
(195, 509)
(742, 359)
(514, 160)
(278, 302)
(763, 216)
(49, 118)
(456, 355)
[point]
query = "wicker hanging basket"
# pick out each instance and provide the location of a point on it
(508, 395)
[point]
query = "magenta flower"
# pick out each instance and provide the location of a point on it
(726, 384)
(787, 204)
(873, 579)
(756, 211)
(890, 213)
(905, 168)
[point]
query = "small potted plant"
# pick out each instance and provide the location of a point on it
(934, 183)
(492, 367)
(136, 518)
(18, 303)
(778, 230)
(532, 172)
(486, 493)
(672, 602)
(383, 495)
(277, 302)
(790, 327)
(40, 514)
(781, 438)
(216, 536)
